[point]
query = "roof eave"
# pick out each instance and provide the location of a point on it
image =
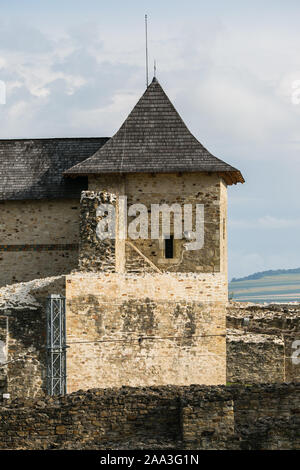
(230, 177)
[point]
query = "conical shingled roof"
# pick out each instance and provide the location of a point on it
(154, 139)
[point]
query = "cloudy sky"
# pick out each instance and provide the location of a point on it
(76, 68)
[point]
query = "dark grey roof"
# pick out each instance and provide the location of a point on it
(154, 139)
(33, 168)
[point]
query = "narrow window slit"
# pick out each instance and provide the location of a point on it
(169, 247)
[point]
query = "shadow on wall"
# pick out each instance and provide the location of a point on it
(195, 417)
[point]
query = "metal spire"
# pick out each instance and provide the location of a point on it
(146, 33)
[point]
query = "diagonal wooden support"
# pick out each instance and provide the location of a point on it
(144, 257)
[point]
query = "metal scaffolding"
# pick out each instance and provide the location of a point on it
(56, 345)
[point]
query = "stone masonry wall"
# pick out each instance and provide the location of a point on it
(280, 323)
(127, 338)
(186, 188)
(126, 324)
(145, 330)
(23, 336)
(3, 354)
(196, 417)
(38, 238)
(254, 358)
(95, 255)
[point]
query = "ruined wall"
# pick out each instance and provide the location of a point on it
(26, 353)
(142, 336)
(145, 330)
(267, 416)
(23, 336)
(95, 255)
(281, 323)
(195, 417)
(185, 188)
(38, 238)
(3, 354)
(254, 358)
(256, 417)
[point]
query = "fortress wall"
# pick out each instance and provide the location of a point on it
(186, 188)
(38, 238)
(151, 327)
(145, 330)
(140, 328)
(254, 358)
(23, 336)
(279, 322)
(196, 417)
(25, 372)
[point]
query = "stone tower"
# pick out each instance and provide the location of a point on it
(150, 310)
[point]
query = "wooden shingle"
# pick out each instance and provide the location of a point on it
(33, 168)
(154, 139)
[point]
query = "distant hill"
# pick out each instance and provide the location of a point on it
(262, 274)
(280, 285)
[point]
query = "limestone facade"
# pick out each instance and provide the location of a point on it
(153, 329)
(135, 317)
(38, 238)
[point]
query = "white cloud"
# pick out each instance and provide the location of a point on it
(112, 114)
(265, 222)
